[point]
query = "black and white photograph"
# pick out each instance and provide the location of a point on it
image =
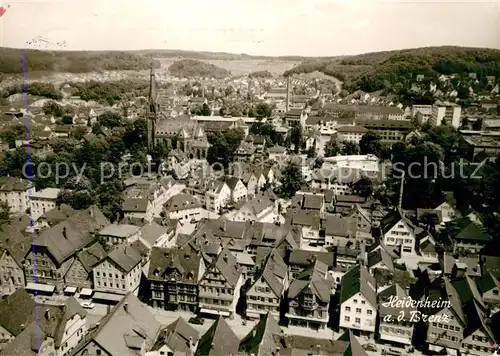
(249, 178)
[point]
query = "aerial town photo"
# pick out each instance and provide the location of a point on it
(233, 178)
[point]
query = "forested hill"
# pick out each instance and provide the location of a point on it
(190, 68)
(381, 70)
(11, 61)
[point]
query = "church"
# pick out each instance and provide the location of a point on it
(191, 136)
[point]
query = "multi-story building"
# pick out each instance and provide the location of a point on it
(351, 133)
(173, 278)
(268, 288)
(217, 196)
(367, 164)
(358, 301)
(79, 274)
(130, 328)
(309, 297)
(183, 207)
(238, 189)
(119, 272)
(43, 201)
(260, 209)
(219, 287)
(445, 112)
(66, 324)
(449, 321)
(398, 231)
(364, 112)
(144, 198)
(50, 256)
(390, 131)
(425, 112)
(115, 234)
(15, 192)
(14, 246)
(396, 322)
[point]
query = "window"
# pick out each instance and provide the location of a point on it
(369, 312)
(348, 309)
(97, 352)
(347, 318)
(357, 321)
(358, 310)
(363, 302)
(355, 300)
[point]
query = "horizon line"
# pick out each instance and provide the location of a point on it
(192, 51)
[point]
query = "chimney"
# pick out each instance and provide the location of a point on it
(225, 258)
(47, 314)
(64, 232)
(125, 307)
(191, 343)
(91, 212)
(23, 326)
(224, 226)
(212, 346)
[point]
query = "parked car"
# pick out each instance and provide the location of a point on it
(88, 305)
(370, 347)
(196, 320)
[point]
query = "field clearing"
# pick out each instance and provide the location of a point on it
(241, 66)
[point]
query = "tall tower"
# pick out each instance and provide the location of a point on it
(152, 108)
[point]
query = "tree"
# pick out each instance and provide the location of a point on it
(370, 144)
(363, 187)
(205, 110)
(53, 108)
(296, 138)
(110, 119)
(78, 200)
(4, 213)
(291, 181)
(311, 152)
(78, 132)
(13, 133)
(430, 220)
(332, 148)
(67, 120)
(223, 145)
(264, 109)
(350, 148)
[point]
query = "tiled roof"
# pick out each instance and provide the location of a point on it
(261, 340)
(129, 324)
(71, 235)
(125, 257)
(219, 340)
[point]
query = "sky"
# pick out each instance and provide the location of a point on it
(258, 27)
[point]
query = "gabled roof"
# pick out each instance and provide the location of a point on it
(261, 340)
(358, 280)
(71, 235)
(178, 336)
(184, 260)
(465, 229)
(219, 340)
(380, 255)
(16, 310)
(487, 282)
(273, 272)
(125, 257)
(227, 265)
(129, 324)
(317, 278)
(91, 255)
